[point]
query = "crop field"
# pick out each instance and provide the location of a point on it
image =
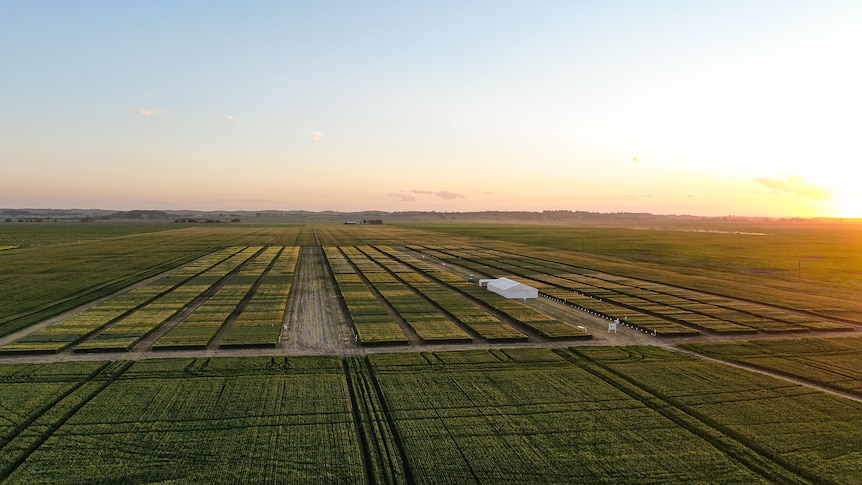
(580, 415)
(250, 283)
(331, 353)
(658, 308)
(830, 362)
(781, 256)
(223, 295)
(238, 298)
(45, 280)
(261, 320)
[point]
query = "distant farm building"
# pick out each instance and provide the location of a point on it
(509, 288)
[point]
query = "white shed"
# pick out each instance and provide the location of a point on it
(510, 289)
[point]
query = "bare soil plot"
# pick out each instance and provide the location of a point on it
(314, 317)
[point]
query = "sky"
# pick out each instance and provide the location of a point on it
(746, 108)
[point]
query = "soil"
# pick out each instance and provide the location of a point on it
(314, 319)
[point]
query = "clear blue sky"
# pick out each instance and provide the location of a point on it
(711, 108)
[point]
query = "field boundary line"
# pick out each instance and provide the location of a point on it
(52, 427)
(12, 337)
(774, 469)
(154, 336)
(476, 338)
(413, 339)
(231, 319)
(532, 335)
(772, 373)
(707, 292)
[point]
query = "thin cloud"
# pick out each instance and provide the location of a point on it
(229, 117)
(796, 185)
(317, 135)
(443, 194)
(145, 112)
(638, 196)
(404, 197)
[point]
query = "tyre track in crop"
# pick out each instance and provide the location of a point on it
(773, 468)
(383, 452)
(774, 374)
(78, 395)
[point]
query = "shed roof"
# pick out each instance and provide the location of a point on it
(504, 283)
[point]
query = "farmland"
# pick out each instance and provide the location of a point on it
(580, 415)
(333, 353)
(829, 362)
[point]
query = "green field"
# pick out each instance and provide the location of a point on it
(586, 415)
(832, 362)
(527, 398)
(77, 263)
(816, 265)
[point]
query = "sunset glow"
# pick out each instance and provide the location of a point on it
(669, 107)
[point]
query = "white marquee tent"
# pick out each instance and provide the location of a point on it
(510, 289)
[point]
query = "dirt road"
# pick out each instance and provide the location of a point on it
(314, 319)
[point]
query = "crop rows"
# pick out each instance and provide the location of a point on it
(65, 333)
(199, 328)
(789, 433)
(122, 322)
(42, 282)
(485, 261)
(655, 307)
(430, 324)
(38, 283)
(453, 303)
(181, 292)
(831, 362)
(261, 320)
(706, 311)
(518, 415)
(536, 321)
(371, 320)
(154, 303)
(524, 416)
(191, 421)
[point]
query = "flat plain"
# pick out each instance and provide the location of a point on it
(352, 353)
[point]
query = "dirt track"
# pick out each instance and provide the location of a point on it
(314, 320)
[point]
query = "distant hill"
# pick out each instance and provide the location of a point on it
(300, 216)
(140, 214)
